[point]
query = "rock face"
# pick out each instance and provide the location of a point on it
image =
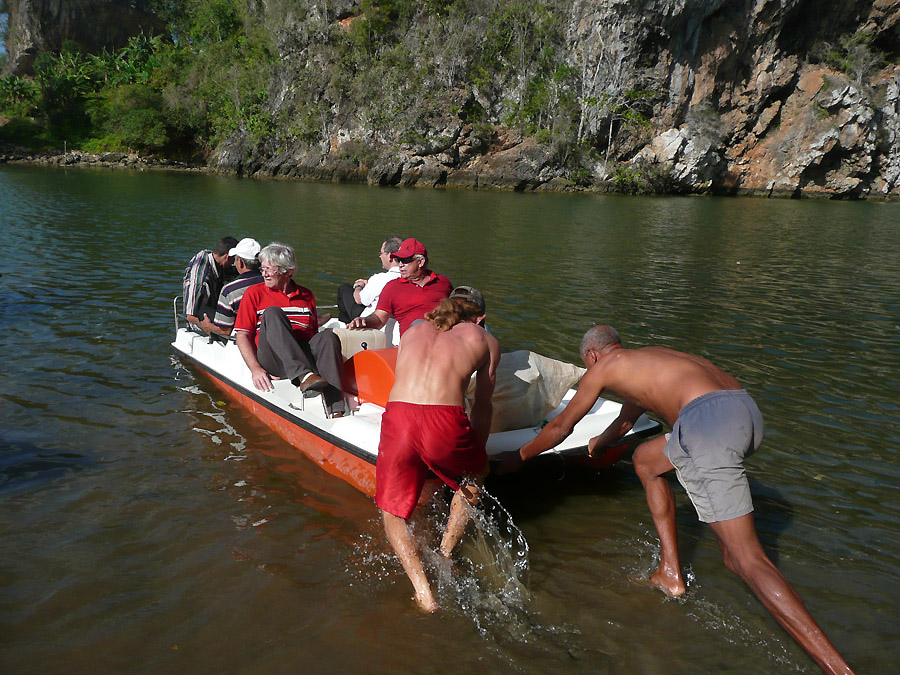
(735, 105)
(37, 26)
(734, 96)
(783, 126)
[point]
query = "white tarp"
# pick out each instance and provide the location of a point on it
(529, 386)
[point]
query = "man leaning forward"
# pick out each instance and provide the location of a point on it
(425, 426)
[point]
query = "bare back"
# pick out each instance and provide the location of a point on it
(657, 379)
(434, 366)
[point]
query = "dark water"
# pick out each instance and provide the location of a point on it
(148, 526)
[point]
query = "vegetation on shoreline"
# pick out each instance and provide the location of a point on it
(173, 95)
(217, 71)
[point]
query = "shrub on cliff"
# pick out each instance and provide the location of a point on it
(853, 54)
(645, 178)
(225, 67)
(129, 116)
(18, 96)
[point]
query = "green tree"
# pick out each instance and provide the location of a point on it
(19, 97)
(129, 117)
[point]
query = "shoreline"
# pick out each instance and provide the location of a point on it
(362, 176)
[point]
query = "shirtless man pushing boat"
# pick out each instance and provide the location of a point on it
(715, 424)
(425, 426)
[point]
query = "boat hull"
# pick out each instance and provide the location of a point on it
(347, 447)
(334, 457)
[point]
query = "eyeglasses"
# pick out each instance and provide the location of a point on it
(270, 271)
(406, 261)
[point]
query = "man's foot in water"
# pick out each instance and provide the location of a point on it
(426, 602)
(668, 581)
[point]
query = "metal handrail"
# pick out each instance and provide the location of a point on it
(175, 310)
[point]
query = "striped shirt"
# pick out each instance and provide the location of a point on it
(202, 283)
(230, 298)
(298, 303)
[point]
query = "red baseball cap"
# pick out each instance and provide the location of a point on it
(409, 248)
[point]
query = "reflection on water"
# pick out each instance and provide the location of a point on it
(157, 527)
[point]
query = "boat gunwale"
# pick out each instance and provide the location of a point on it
(632, 438)
(336, 441)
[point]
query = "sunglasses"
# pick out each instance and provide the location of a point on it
(406, 261)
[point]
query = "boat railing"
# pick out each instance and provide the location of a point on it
(175, 310)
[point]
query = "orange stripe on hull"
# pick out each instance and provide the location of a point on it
(336, 461)
(609, 457)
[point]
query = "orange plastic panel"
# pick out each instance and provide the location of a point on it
(370, 374)
(609, 456)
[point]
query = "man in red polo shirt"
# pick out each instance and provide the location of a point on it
(277, 332)
(413, 295)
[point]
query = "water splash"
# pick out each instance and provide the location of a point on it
(487, 581)
(716, 616)
(488, 577)
(738, 630)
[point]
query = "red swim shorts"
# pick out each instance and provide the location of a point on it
(416, 438)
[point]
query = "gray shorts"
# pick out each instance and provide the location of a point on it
(709, 441)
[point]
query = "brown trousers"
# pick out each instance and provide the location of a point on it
(282, 355)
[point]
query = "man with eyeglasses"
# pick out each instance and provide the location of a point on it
(362, 298)
(277, 333)
(413, 295)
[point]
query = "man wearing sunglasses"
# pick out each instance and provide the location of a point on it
(413, 295)
(361, 298)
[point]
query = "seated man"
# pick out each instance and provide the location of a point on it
(414, 294)
(277, 333)
(247, 265)
(203, 280)
(361, 298)
(425, 427)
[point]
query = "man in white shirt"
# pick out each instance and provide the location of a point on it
(362, 298)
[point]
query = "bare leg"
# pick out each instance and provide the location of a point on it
(650, 464)
(743, 555)
(406, 549)
(459, 517)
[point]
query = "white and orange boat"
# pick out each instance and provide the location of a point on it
(347, 447)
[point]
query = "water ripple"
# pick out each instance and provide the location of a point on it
(133, 495)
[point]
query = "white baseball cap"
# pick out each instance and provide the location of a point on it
(247, 248)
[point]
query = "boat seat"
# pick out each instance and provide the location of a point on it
(353, 341)
(369, 374)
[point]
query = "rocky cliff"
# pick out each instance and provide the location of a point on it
(769, 97)
(37, 26)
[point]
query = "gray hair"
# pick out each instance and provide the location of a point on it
(252, 263)
(392, 244)
(280, 256)
(598, 338)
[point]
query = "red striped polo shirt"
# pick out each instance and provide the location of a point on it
(298, 303)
